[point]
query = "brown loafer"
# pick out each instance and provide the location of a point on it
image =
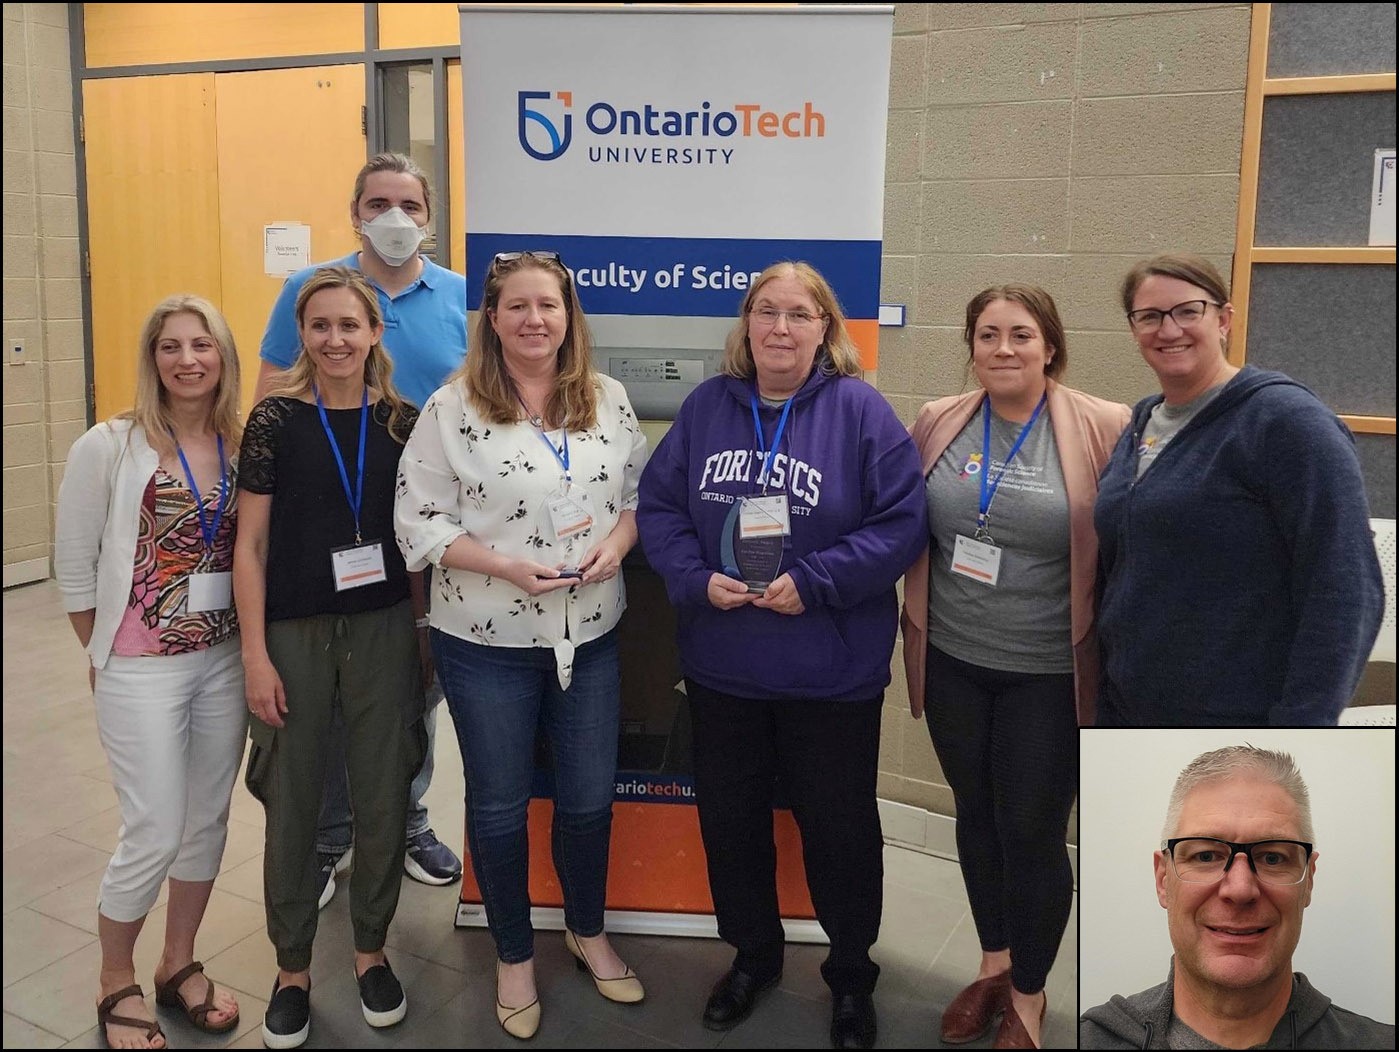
(972, 1012)
(1013, 1034)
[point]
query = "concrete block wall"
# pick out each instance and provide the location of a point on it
(1050, 143)
(45, 396)
(1053, 144)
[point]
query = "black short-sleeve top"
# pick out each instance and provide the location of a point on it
(287, 455)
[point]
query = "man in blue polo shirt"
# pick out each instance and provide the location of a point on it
(424, 309)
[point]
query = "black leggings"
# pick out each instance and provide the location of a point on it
(1008, 743)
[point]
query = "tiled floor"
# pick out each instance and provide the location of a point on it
(60, 826)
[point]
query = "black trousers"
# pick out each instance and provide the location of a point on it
(826, 756)
(1008, 744)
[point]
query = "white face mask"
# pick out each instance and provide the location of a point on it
(394, 235)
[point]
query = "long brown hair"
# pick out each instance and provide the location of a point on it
(837, 353)
(378, 368)
(573, 402)
(152, 409)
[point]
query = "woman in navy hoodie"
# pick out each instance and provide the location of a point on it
(780, 509)
(1241, 585)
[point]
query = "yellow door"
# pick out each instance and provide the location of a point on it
(289, 145)
(153, 212)
(184, 171)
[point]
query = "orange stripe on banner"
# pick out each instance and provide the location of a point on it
(363, 573)
(866, 337)
(657, 862)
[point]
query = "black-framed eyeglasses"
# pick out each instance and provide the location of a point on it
(1148, 319)
(1205, 860)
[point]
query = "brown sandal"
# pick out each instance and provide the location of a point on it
(105, 1018)
(168, 994)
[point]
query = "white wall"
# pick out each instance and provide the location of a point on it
(1347, 945)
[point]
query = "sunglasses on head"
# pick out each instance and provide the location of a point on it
(512, 257)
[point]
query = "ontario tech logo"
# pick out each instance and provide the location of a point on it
(538, 129)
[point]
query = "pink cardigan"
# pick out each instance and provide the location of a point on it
(1085, 431)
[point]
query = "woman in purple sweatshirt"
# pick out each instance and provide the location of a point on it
(780, 509)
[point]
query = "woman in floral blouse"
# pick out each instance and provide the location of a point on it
(519, 484)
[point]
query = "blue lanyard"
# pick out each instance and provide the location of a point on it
(207, 531)
(989, 488)
(355, 496)
(768, 451)
(560, 456)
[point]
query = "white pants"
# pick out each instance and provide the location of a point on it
(174, 728)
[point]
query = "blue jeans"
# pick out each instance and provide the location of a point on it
(335, 830)
(499, 697)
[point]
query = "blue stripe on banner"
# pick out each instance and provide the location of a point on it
(681, 277)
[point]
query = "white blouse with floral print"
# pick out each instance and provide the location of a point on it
(462, 475)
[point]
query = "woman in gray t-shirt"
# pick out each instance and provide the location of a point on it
(998, 637)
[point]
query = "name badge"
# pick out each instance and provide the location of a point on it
(764, 517)
(570, 512)
(977, 560)
(357, 565)
(210, 591)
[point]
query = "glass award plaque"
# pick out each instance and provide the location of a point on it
(751, 556)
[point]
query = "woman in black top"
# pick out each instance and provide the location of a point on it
(325, 602)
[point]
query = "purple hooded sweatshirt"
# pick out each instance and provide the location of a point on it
(858, 520)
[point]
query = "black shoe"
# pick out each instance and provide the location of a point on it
(852, 1021)
(287, 1023)
(381, 996)
(733, 998)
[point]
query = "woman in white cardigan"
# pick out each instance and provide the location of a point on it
(143, 557)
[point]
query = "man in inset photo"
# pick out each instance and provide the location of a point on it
(1236, 870)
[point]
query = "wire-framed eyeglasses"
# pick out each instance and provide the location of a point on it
(797, 319)
(1205, 860)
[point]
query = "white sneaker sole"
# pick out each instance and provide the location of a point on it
(296, 1040)
(345, 862)
(422, 876)
(389, 1018)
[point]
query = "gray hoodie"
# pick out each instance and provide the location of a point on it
(1310, 1021)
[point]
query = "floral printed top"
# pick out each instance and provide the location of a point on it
(462, 475)
(169, 547)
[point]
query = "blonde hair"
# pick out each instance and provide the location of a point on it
(573, 402)
(151, 409)
(837, 354)
(378, 368)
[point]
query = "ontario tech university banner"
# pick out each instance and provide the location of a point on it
(669, 154)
